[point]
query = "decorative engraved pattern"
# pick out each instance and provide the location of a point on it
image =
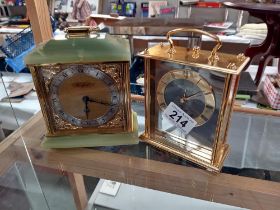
(116, 122)
(48, 72)
(60, 124)
(114, 70)
(196, 52)
(232, 66)
(241, 57)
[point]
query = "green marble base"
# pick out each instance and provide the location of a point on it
(94, 140)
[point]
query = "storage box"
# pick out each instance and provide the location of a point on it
(271, 89)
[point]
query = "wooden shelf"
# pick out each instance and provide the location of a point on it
(146, 22)
(256, 111)
(187, 181)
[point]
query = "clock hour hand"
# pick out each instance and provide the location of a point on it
(185, 98)
(96, 101)
(86, 110)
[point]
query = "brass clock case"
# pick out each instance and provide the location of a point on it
(186, 77)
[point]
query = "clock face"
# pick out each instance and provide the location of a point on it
(84, 96)
(188, 90)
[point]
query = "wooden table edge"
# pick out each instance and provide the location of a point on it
(225, 188)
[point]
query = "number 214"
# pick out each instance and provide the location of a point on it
(175, 114)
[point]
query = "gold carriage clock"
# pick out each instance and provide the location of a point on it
(189, 98)
(82, 81)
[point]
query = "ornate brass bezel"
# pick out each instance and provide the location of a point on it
(56, 126)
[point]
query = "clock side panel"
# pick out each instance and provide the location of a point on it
(221, 148)
(127, 97)
(57, 125)
(43, 97)
(150, 111)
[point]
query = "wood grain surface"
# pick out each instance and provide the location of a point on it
(223, 188)
(79, 193)
(38, 14)
(149, 22)
(253, 6)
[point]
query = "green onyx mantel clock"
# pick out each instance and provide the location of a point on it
(82, 81)
(189, 95)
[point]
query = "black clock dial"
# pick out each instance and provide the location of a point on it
(188, 90)
(178, 89)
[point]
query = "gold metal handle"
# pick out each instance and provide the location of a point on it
(213, 58)
(79, 31)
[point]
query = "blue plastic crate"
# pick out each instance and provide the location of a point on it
(15, 45)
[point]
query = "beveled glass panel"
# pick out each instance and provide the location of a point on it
(198, 92)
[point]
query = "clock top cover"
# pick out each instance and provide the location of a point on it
(96, 48)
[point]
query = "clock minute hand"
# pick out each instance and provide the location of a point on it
(193, 95)
(99, 102)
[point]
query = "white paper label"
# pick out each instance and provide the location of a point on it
(110, 187)
(179, 118)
